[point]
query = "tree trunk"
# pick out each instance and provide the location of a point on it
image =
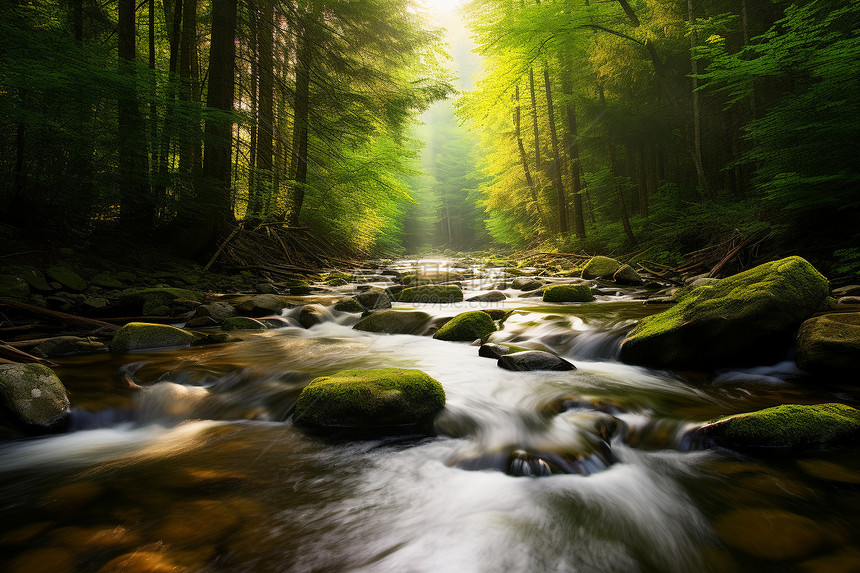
(561, 199)
(619, 193)
(78, 24)
(535, 122)
(132, 150)
(570, 143)
(640, 180)
(524, 158)
(265, 71)
(694, 65)
(216, 156)
(299, 155)
(187, 45)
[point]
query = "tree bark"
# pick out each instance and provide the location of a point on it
(216, 155)
(640, 180)
(187, 45)
(299, 155)
(570, 143)
(560, 196)
(265, 130)
(524, 157)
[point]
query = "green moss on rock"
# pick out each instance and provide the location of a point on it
(466, 327)
(625, 275)
(789, 425)
(829, 344)
(568, 293)
(600, 267)
(394, 322)
(33, 397)
(143, 335)
(67, 277)
(380, 398)
(431, 294)
(737, 320)
(349, 305)
(298, 287)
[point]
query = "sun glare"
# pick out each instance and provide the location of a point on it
(442, 5)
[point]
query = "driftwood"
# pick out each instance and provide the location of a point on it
(96, 325)
(151, 319)
(16, 355)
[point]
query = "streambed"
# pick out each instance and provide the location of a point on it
(202, 470)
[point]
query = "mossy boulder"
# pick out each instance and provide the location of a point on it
(150, 300)
(492, 296)
(14, 287)
(568, 293)
(298, 287)
(382, 399)
(67, 277)
(143, 335)
(600, 267)
(526, 284)
(786, 426)
(625, 275)
(373, 299)
(242, 323)
(431, 294)
(746, 318)
(348, 305)
(829, 344)
(261, 305)
(466, 327)
(394, 322)
(106, 280)
(33, 397)
(218, 311)
(34, 277)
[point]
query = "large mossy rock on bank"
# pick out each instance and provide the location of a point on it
(394, 322)
(830, 344)
(568, 293)
(466, 327)
(383, 399)
(748, 317)
(143, 335)
(600, 267)
(33, 397)
(786, 426)
(431, 293)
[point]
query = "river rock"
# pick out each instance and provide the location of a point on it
(348, 305)
(625, 275)
(529, 360)
(201, 322)
(106, 280)
(95, 303)
(197, 522)
(149, 300)
(829, 344)
(381, 399)
(242, 323)
(66, 346)
(522, 463)
(598, 267)
(394, 322)
(568, 293)
(298, 287)
(432, 294)
(311, 315)
(14, 287)
(33, 397)
(336, 282)
(261, 305)
(770, 533)
(496, 351)
(521, 283)
(492, 296)
(219, 311)
(848, 301)
(848, 290)
(373, 299)
(741, 319)
(466, 327)
(143, 335)
(67, 277)
(786, 426)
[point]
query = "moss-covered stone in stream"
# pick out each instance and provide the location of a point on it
(298, 287)
(745, 318)
(33, 397)
(394, 322)
(600, 267)
(384, 398)
(786, 426)
(348, 305)
(431, 294)
(625, 275)
(829, 344)
(568, 293)
(143, 335)
(242, 323)
(466, 327)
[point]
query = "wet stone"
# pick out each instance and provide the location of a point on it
(197, 522)
(530, 360)
(521, 463)
(490, 350)
(770, 533)
(492, 296)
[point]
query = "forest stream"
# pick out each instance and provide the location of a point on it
(203, 470)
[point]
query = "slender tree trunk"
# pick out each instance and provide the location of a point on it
(255, 115)
(216, 155)
(132, 152)
(640, 180)
(524, 158)
(694, 65)
(570, 143)
(619, 193)
(535, 122)
(299, 155)
(187, 45)
(78, 24)
(265, 70)
(561, 199)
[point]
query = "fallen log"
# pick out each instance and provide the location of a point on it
(63, 317)
(20, 356)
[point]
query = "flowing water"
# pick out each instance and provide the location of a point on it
(202, 470)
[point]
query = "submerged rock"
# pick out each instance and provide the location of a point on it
(529, 360)
(625, 275)
(786, 426)
(394, 322)
(466, 327)
(143, 335)
(382, 399)
(33, 397)
(568, 293)
(829, 344)
(598, 267)
(242, 323)
(736, 320)
(431, 294)
(770, 533)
